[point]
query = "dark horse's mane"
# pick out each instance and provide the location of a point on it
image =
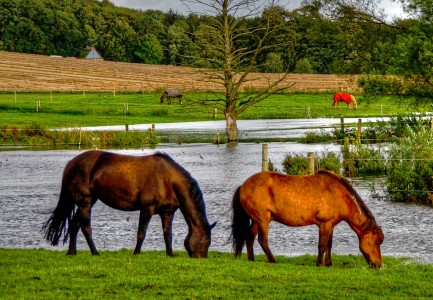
(361, 204)
(194, 188)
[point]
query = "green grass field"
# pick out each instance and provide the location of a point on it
(96, 109)
(45, 274)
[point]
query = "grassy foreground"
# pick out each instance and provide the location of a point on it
(97, 109)
(45, 274)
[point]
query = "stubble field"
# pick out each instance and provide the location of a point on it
(39, 73)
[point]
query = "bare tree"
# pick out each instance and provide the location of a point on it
(222, 37)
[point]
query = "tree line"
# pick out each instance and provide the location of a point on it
(315, 38)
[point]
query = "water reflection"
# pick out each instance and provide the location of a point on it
(30, 185)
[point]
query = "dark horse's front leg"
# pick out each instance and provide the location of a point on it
(145, 216)
(167, 221)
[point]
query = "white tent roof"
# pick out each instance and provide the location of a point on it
(93, 54)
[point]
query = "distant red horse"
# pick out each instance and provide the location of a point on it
(343, 97)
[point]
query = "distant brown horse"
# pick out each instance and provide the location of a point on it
(346, 98)
(153, 184)
(324, 199)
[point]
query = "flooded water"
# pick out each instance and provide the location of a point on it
(30, 184)
(284, 128)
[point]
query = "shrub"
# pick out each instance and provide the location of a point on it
(410, 167)
(296, 164)
(303, 66)
(380, 85)
(360, 159)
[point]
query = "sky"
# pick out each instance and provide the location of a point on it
(392, 9)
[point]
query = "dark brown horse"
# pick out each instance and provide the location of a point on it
(324, 199)
(153, 184)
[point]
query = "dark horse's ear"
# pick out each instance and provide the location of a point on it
(213, 225)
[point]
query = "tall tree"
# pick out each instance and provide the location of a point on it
(222, 36)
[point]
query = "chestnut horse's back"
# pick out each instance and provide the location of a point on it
(295, 200)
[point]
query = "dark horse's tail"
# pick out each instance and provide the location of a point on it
(240, 224)
(56, 224)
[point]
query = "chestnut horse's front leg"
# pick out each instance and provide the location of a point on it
(328, 259)
(325, 244)
(145, 216)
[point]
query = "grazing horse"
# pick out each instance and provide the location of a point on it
(324, 199)
(343, 97)
(170, 94)
(153, 184)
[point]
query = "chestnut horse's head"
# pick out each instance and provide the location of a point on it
(369, 245)
(198, 241)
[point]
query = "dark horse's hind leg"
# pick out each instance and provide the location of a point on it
(86, 228)
(145, 216)
(167, 221)
(74, 227)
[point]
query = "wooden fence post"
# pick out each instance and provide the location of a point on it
(358, 133)
(310, 157)
(342, 124)
(152, 131)
(264, 157)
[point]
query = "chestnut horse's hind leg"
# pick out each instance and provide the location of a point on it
(145, 216)
(263, 240)
(251, 236)
(167, 221)
(325, 241)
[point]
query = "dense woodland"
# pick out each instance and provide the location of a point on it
(316, 38)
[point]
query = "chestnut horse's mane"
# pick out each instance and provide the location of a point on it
(357, 198)
(194, 188)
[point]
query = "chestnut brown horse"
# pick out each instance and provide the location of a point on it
(343, 97)
(153, 184)
(324, 199)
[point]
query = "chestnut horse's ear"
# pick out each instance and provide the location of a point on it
(213, 225)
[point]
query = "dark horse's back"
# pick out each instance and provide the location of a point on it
(126, 182)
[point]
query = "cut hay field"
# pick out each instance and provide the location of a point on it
(39, 73)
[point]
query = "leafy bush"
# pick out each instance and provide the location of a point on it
(296, 164)
(303, 66)
(380, 85)
(360, 159)
(410, 167)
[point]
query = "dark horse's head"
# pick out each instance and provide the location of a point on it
(193, 208)
(198, 241)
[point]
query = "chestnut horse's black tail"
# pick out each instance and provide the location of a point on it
(240, 224)
(55, 227)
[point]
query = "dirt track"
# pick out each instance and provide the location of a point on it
(26, 72)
